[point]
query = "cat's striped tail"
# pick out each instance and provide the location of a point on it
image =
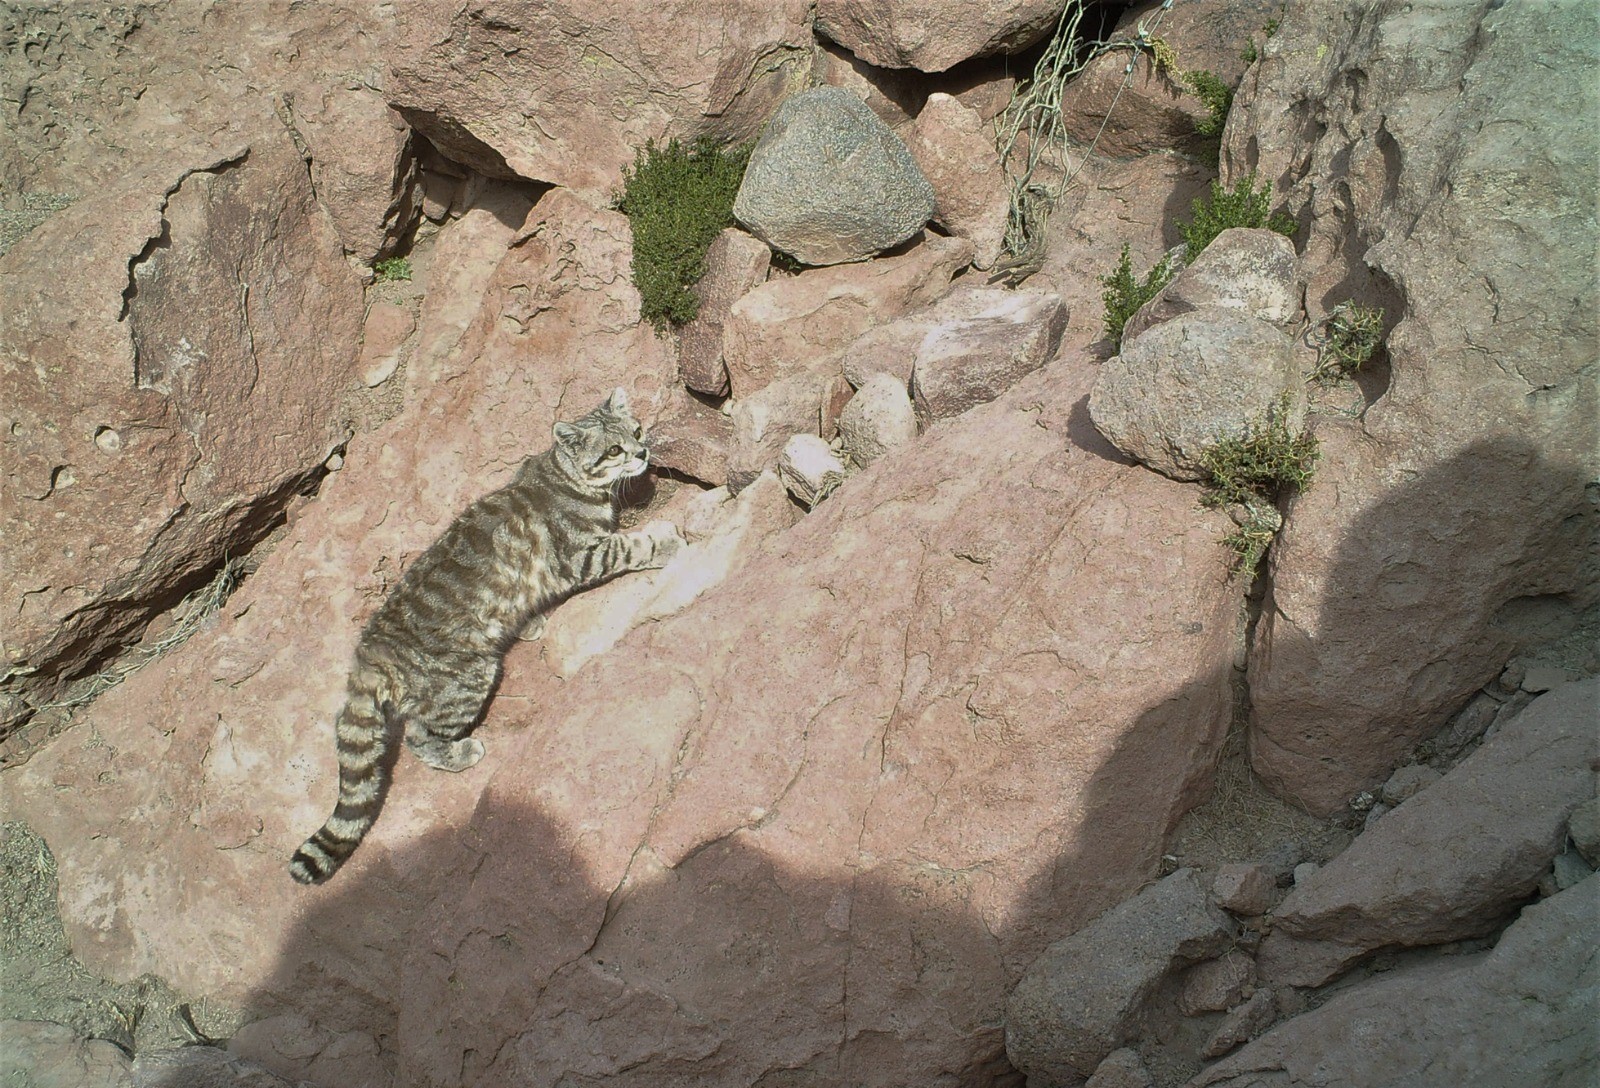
(366, 742)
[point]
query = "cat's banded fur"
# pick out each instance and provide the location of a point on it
(429, 658)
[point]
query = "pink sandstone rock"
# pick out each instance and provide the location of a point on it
(557, 327)
(1460, 473)
(954, 147)
(133, 89)
(798, 323)
(165, 401)
(576, 91)
(981, 341)
(932, 35)
(691, 438)
(735, 263)
(384, 334)
(851, 791)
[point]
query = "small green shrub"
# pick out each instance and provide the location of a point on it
(391, 269)
(677, 199)
(1216, 96)
(1243, 206)
(1258, 526)
(1261, 465)
(1351, 334)
(1250, 473)
(1249, 54)
(1124, 295)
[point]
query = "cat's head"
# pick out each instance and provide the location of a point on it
(604, 446)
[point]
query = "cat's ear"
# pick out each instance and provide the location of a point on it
(618, 401)
(568, 435)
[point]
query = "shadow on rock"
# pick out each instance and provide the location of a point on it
(494, 956)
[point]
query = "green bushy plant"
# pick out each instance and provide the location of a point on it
(1251, 472)
(677, 199)
(391, 269)
(1124, 294)
(1216, 96)
(1351, 335)
(1242, 206)
(1263, 463)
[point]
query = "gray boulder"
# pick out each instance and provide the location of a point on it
(829, 182)
(1084, 996)
(1182, 385)
(1248, 270)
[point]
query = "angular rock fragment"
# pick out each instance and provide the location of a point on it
(810, 469)
(800, 323)
(735, 263)
(1522, 1014)
(1245, 889)
(1453, 861)
(877, 419)
(930, 35)
(1242, 1024)
(1121, 1069)
(765, 421)
(693, 439)
(955, 149)
(1216, 985)
(1082, 998)
(982, 340)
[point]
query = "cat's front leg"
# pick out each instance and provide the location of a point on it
(664, 539)
(645, 549)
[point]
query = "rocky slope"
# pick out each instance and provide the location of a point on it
(859, 795)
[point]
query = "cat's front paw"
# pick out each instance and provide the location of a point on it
(666, 540)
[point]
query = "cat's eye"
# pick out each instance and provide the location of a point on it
(638, 432)
(614, 451)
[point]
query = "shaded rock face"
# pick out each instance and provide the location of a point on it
(1451, 522)
(1521, 1014)
(1083, 997)
(830, 183)
(1155, 111)
(1183, 385)
(576, 90)
(1453, 861)
(46, 1055)
(851, 791)
(932, 35)
(166, 401)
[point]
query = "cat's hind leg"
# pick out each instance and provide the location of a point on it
(437, 723)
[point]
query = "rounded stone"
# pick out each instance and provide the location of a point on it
(829, 182)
